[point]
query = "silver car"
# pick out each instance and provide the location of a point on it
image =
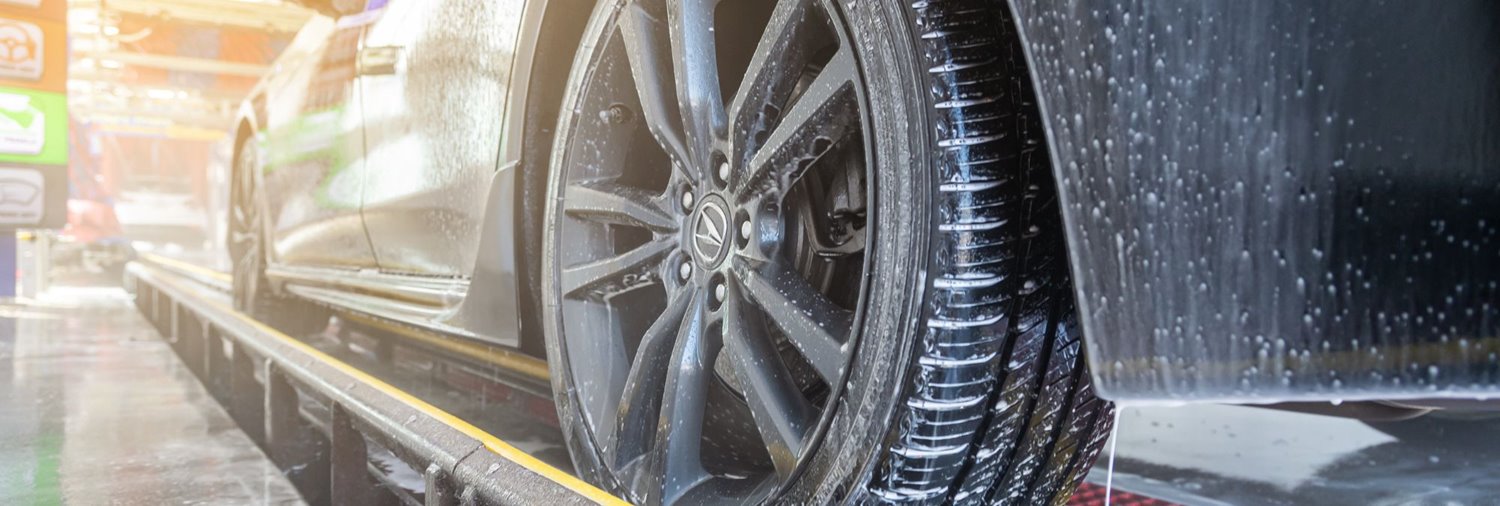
(807, 251)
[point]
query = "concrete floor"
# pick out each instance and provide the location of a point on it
(1241, 455)
(95, 408)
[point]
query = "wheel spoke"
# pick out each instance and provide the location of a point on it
(640, 402)
(664, 410)
(616, 205)
(814, 324)
(646, 43)
(772, 74)
(782, 415)
(246, 272)
(240, 239)
(240, 217)
(677, 455)
(245, 221)
(695, 62)
(825, 113)
(244, 233)
(617, 273)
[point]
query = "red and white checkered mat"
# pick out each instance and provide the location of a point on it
(1089, 494)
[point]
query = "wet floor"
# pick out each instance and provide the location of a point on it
(95, 408)
(1214, 454)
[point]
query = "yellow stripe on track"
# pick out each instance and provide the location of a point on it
(513, 362)
(509, 361)
(188, 267)
(494, 444)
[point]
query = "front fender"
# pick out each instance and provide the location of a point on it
(1278, 200)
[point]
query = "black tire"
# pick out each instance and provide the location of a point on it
(252, 292)
(967, 381)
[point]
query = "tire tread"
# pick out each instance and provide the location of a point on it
(1001, 408)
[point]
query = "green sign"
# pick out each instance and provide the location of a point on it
(33, 126)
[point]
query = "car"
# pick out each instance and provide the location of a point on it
(807, 251)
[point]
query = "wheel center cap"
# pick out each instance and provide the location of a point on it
(711, 236)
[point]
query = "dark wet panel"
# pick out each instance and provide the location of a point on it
(1278, 200)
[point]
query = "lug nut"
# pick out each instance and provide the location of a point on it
(745, 230)
(719, 292)
(616, 114)
(685, 271)
(724, 171)
(687, 200)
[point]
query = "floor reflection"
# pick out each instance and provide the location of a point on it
(96, 408)
(1215, 454)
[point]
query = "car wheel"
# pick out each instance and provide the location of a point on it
(251, 291)
(810, 251)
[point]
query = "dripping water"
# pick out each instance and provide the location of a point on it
(1114, 441)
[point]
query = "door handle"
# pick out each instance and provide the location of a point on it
(378, 60)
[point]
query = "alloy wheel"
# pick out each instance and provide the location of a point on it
(711, 229)
(244, 229)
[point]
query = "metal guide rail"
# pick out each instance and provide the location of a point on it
(322, 421)
(520, 370)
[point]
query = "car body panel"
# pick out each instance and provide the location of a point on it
(432, 127)
(1259, 196)
(1278, 200)
(433, 190)
(312, 150)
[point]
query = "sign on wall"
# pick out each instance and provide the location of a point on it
(21, 196)
(33, 127)
(21, 49)
(33, 113)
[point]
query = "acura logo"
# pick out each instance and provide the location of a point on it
(709, 235)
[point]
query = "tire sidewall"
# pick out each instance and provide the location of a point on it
(859, 432)
(587, 459)
(245, 300)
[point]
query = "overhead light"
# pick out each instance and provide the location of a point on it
(111, 64)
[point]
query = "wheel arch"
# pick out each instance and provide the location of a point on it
(1048, 109)
(244, 132)
(549, 48)
(504, 298)
(247, 123)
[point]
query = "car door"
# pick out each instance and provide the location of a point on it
(433, 76)
(312, 144)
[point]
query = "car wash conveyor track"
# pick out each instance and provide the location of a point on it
(317, 417)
